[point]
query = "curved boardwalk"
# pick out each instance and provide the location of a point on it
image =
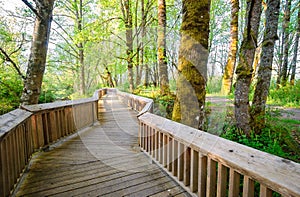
(103, 160)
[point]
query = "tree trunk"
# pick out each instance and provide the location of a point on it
(294, 61)
(192, 68)
(244, 69)
(38, 52)
(138, 44)
(265, 68)
(230, 66)
(127, 15)
(287, 17)
(161, 52)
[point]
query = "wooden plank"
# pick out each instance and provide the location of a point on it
(152, 142)
(165, 150)
(175, 157)
(234, 183)
(180, 170)
(3, 169)
(222, 180)
(161, 146)
(211, 178)
(187, 166)
(265, 192)
(248, 187)
(194, 170)
(202, 177)
(156, 142)
(169, 153)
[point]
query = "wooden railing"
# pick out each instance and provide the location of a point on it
(137, 103)
(25, 130)
(208, 165)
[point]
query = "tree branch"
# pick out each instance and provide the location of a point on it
(7, 58)
(32, 8)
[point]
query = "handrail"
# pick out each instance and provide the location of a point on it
(25, 130)
(137, 103)
(208, 165)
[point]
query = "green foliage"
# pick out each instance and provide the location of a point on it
(10, 89)
(47, 97)
(276, 138)
(214, 85)
(288, 96)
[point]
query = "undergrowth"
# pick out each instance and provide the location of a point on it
(276, 138)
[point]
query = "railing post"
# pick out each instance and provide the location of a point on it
(234, 183)
(211, 178)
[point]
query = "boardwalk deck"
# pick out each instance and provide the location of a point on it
(103, 160)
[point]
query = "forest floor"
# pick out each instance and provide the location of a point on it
(220, 107)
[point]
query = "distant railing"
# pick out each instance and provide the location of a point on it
(137, 103)
(25, 130)
(208, 165)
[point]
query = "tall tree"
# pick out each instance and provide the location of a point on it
(286, 23)
(127, 17)
(38, 51)
(161, 52)
(244, 68)
(265, 68)
(192, 64)
(294, 61)
(230, 66)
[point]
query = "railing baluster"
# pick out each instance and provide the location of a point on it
(161, 147)
(234, 183)
(248, 187)
(180, 161)
(156, 142)
(165, 150)
(211, 178)
(170, 154)
(265, 192)
(222, 180)
(187, 166)
(149, 139)
(153, 142)
(175, 157)
(194, 170)
(202, 177)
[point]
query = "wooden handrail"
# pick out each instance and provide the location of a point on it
(137, 103)
(25, 130)
(208, 165)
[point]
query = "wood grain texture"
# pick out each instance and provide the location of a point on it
(104, 160)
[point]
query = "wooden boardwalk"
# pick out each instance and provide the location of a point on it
(103, 160)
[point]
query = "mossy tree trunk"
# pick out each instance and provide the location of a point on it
(79, 20)
(286, 23)
(265, 68)
(244, 69)
(38, 52)
(294, 61)
(192, 64)
(161, 45)
(127, 16)
(230, 66)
